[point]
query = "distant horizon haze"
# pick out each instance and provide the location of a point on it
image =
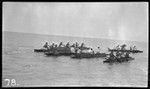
(118, 20)
(75, 36)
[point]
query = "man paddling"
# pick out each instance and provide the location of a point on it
(117, 47)
(46, 45)
(82, 45)
(131, 48)
(111, 55)
(61, 44)
(76, 44)
(68, 45)
(118, 55)
(134, 47)
(123, 47)
(52, 45)
(127, 55)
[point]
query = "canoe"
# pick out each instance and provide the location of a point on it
(60, 51)
(132, 51)
(40, 50)
(84, 48)
(52, 49)
(58, 54)
(88, 55)
(119, 60)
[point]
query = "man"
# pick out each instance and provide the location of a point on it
(123, 47)
(46, 45)
(67, 45)
(61, 43)
(111, 55)
(52, 46)
(90, 50)
(82, 45)
(77, 45)
(73, 45)
(130, 48)
(76, 50)
(134, 47)
(127, 55)
(118, 54)
(55, 45)
(117, 47)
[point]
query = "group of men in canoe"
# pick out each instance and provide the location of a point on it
(119, 55)
(61, 45)
(123, 47)
(75, 47)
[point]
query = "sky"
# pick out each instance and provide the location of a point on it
(119, 20)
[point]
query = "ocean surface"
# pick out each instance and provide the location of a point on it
(30, 69)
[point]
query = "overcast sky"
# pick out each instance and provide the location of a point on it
(124, 21)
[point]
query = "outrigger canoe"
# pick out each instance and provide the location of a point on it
(57, 54)
(40, 50)
(118, 60)
(88, 55)
(132, 51)
(60, 51)
(51, 49)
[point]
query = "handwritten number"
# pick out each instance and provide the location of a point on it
(8, 81)
(11, 82)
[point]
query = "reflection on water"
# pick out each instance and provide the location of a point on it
(35, 69)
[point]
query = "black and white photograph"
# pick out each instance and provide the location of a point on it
(83, 44)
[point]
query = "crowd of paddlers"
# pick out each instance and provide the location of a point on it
(76, 50)
(75, 47)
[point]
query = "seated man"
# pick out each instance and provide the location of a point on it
(76, 44)
(123, 47)
(68, 45)
(52, 45)
(73, 45)
(61, 44)
(82, 45)
(76, 50)
(92, 51)
(118, 54)
(46, 45)
(55, 45)
(111, 55)
(127, 55)
(117, 47)
(130, 48)
(134, 47)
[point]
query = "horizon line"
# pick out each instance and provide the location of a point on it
(78, 36)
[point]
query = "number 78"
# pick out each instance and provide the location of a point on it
(11, 82)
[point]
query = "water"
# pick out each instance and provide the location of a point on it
(31, 69)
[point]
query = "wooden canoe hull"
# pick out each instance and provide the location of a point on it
(132, 51)
(58, 54)
(88, 55)
(40, 50)
(120, 60)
